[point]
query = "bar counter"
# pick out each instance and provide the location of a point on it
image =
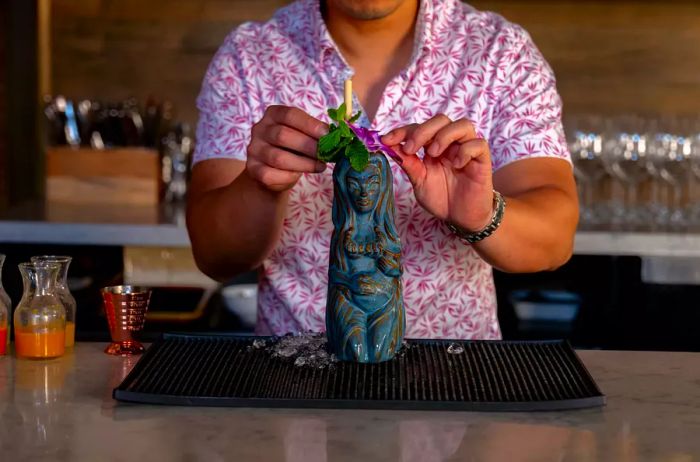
(62, 410)
(164, 226)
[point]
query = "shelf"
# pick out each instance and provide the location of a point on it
(164, 226)
(637, 244)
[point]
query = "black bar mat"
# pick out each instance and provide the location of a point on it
(220, 370)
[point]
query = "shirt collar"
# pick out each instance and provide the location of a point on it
(323, 44)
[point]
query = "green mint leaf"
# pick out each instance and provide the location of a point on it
(325, 156)
(358, 155)
(344, 130)
(344, 142)
(359, 161)
(328, 142)
(341, 140)
(333, 156)
(340, 113)
(333, 114)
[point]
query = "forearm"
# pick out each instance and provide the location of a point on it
(235, 227)
(536, 234)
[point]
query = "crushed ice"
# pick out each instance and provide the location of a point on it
(455, 349)
(306, 350)
(258, 344)
(405, 346)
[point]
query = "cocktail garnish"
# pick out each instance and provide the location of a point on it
(347, 138)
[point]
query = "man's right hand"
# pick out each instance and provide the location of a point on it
(283, 146)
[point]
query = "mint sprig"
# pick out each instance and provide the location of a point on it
(341, 141)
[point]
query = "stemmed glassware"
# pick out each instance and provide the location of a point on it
(625, 151)
(585, 138)
(653, 161)
(670, 154)
(693, 209)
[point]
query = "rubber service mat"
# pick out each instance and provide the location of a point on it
(227, 370)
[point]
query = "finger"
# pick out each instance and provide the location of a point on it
(285, 160)
(277, 180)
(473, 150)
(297, 119)
(290, 139)
(459, 131)
(425, 132)
(398, 135)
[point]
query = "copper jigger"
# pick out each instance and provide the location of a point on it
(125, 307)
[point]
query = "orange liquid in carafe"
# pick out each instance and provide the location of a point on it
(70, 334)
(42, 345)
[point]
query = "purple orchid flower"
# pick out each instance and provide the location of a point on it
(372, 141)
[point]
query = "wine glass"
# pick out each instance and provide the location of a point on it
(694, 206)
(659, 192)
(625, 151)
(585, 138)
(671, 154)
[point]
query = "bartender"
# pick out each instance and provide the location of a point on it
(463, 96)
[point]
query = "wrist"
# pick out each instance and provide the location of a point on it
(471, 237)
(486, 218)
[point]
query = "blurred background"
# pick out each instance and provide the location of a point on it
(97, 110)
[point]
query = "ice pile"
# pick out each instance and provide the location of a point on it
(306, 350)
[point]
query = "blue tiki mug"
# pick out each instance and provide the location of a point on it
(365, 319)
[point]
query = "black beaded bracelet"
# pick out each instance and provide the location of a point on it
(499, 206)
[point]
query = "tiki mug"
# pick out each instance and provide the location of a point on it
(365, 318)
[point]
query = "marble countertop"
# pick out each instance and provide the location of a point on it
(62, 410)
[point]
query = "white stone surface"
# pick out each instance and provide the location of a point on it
(165, 226)
(639, 244)
(51, 223)
(38, 232)
(62, 410)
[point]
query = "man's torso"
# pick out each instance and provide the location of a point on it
(457, 69)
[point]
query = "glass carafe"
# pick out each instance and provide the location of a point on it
(63, 293)
(5, 310)
(40, 318)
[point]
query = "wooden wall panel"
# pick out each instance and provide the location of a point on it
(609, 56)
(616, 56)
(23, 161)
(4, 196)
(114, 49)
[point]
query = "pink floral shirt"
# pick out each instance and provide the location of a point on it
(466, 63)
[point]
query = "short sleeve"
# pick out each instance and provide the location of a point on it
(527, 122)
(225, 118)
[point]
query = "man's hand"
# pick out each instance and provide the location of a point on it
(454, 179)
(283, 147)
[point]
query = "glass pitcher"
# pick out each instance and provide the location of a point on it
(40, 318)
(5, 310)
(63, 293)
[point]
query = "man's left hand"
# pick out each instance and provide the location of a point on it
(454, 180)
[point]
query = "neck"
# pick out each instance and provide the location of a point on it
(362, 220)
(377, 39)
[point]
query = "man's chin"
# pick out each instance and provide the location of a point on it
(367, 9)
